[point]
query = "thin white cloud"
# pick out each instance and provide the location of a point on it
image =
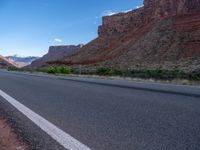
(109, 13)
(58, 40)
(128, 10)
(138, 7)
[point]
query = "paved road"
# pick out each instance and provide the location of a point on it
(106, 115)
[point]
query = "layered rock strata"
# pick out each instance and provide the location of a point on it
(162, 33)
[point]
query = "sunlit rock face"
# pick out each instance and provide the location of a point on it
(163, 8)
(162, 33)
(160, 8)
(153, 9)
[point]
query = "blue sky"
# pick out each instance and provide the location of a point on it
(29, 27)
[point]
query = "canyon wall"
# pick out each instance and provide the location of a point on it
(162, 33)
(56, 53)
(161, 8)
(123, 23)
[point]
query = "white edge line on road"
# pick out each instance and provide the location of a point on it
(64, 139)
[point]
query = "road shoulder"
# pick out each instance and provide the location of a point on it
(25, 130)
(8, 139)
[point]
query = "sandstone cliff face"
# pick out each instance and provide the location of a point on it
(56, 53)
(161, 8)
(119, 24)
(153, 10)
(163, 33)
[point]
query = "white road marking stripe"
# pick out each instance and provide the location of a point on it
(66, 140)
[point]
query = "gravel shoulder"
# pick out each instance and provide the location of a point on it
(8, 140)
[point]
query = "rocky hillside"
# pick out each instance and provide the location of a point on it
(161, 34)
(55, 53)
(4, 63)
(20, 61)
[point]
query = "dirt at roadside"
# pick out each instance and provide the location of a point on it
(8, 140)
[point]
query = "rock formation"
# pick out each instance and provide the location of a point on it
(20, 61)
(56, 53)
(162, 33)
(4, 63)
(161, 8)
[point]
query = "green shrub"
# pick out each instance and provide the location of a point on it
(146, 73)
(117, 72)
(13, 68)
(158, 74)
(64, 70)
(104, 71)
(59, 70)
(195, 75)
(51, 70)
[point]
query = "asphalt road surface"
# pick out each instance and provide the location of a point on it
(105, 114)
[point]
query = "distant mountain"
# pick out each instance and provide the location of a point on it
(21, 61)
(4, 63)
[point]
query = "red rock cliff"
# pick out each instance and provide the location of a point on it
(162, 33)
(161, 8)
